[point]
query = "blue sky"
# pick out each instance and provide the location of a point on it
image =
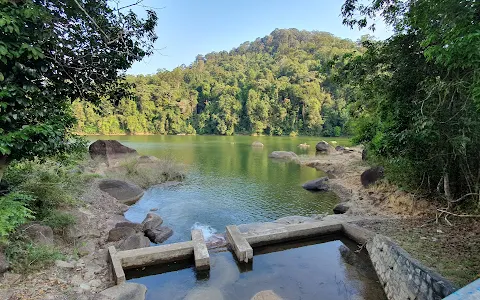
(187, 27)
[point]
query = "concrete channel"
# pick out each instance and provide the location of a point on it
(401, 276)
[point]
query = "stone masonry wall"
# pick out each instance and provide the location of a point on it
(403, 277)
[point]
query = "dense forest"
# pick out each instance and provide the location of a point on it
(276, 85)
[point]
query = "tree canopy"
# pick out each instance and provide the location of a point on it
(53, 52)
(275, 85)
(417, 94)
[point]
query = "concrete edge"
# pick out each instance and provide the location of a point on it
(155, 255)
(240, 245)
(117, 269)
(200, 251)
(357, 233)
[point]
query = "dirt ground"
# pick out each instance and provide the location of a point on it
(451, 250)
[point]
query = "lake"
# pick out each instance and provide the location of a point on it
(228, 182)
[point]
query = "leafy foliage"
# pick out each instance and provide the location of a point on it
(274, 85)
(52, 52)
(14, 212)
(417, 93)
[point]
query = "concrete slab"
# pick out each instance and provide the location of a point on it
(155, 255)
(292, 232)
(117, 269)
(200, 251)
(241, 247)
(357, 233)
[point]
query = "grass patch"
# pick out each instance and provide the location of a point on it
(26, 257)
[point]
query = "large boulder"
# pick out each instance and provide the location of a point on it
(109, 150)
(125, 192)
(135, 241)
(319, 184)
(37, 233)
(4, 265)
(340, 208)
(159, 235)
(120, 233)
(135, 226)
(126, 291)
(257, 144)
(323, 147)
(287, 155)
(371, 175)
(151, 221)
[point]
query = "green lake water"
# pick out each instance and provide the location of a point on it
(228, 182)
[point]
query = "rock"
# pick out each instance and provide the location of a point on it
(126, 291)
(323, 147)
(4, 265)
(204, 293)
(125, 192)
(153, 209)
(319, 184)
(371, 175)
(134, 242)
(266, 295)
(37, 233)
(364, 154)
(340, 148)
(135, 226)
(120, 233)
(109, 149)
(159, 234)
(85, 286)
(304, 146)
(95, 283)
(340, 208)
(86, 247)
(64, 265)
(146, 159)
(152, 221)
(287, 155)
(257, 145)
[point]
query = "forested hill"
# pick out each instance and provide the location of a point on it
(275, 85)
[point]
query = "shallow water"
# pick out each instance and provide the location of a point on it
(319, 269)
(228, 182)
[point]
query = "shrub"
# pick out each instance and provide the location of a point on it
(25, 257)
(14, 212)
(59, 220)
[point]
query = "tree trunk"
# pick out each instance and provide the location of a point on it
(3, 165)
(446, 187)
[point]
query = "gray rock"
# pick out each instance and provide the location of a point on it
(126, 291)
(4, 265)
(145, 159)
(340, 208)
(319, 184)
(371, 176)
(323, 147)
(257, 144)
(204, 293)
(134, 242)
(37, 233)
(120, 233)
(109, 149)
(287, 155)
(125, 192)
(340, 148)
(266, 295)
(64, 265)
(152, 221)
(159, 234)
(85, 247)
(135, 226)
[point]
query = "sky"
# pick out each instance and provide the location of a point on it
(187, 28)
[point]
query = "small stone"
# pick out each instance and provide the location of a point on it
(64, 264)
(85, 286)
(95, 283)
(80, 264)
(89, 275)
(153, 209)
(152, 221)
(439, 231)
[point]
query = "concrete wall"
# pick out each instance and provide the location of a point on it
(402, 276)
